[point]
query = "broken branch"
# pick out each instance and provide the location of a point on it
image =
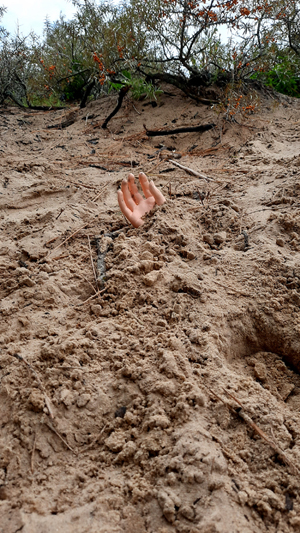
(190, 171)
(188, 129)
(122, 94)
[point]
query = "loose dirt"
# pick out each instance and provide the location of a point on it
(170, 401)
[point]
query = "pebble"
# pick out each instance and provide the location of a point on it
(208, 238)
(280, 241)
(96, 309)
(190, 255)
(260, 371)
(146, 256)
(150, 278)
(146, 265)
(83, 399)
(219, 238)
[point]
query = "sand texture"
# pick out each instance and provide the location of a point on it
(149, 378)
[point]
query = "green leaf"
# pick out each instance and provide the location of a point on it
(116, 86)
(126, 74)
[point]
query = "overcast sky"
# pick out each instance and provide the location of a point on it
(31, 14)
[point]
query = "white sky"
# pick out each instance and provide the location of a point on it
(31, 14)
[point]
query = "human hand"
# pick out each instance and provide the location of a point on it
(132, 203)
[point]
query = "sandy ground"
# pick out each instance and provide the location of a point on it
(169, 402)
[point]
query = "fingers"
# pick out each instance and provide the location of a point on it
(125, 210)
(137, 197)
(135, 221)
(159, 197)
(127, 196)
(144, 184)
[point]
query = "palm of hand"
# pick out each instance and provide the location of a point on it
(132, 203)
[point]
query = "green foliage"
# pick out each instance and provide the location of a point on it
(139, 88)
(283, 79)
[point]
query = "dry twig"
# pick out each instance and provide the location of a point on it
(190, 171)
(32, 454)
(89, 446)
(67, 239)
(230, 288)
(92, 297)
(248, 420)
(49, 425)
(91, 257)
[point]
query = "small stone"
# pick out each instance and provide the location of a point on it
(83, 399)
(187, 511)
(160, 421)
(146, 265)
(208, 238)
(150, 278)
(187, 254)
(199, 476)
(190, 255)
(219, 238)
(280, 241)
(215, 483)
(27, 282)
(24, 321)
(66, 397)
(157, 265)
(36, 400)
(162, 323)
(146, 256)
(260, 371)
(243, 497)
(96, 309)
(286, 390)
(46, 268)
(120, 412)
(115, 442)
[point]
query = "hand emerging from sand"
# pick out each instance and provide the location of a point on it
(132, 203)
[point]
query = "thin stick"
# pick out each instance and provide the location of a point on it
(96, 439)
(66, 240)
(262, 434)
(94, 296)
(136, 109)
(230, 288)
(74, 182)
(41, 386)
(59, 436)
(190, 171)
(60, 256)
(92, 286)
(93, 266)
(99, 194)
(51, 240)
(32, 454)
